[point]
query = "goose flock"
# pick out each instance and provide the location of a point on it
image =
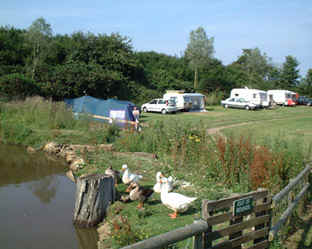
(177, 202)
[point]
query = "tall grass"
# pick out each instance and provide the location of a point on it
(214, 98)
(235, 161)
(35, 121)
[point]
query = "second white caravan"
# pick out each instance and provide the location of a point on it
(186, 101)
(255, 96)
(282, 97)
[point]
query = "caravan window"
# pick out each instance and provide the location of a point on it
(187, 99)
(254, 95)
(173, 99)
(236, 94)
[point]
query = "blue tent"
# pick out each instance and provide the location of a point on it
(110, 110)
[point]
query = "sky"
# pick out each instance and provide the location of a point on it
(277, 27)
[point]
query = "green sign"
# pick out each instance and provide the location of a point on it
(242, 206)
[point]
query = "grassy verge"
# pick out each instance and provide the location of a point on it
(265, 149)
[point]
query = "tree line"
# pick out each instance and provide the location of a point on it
(33, 61)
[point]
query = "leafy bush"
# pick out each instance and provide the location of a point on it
(17, 85)
(214, 98)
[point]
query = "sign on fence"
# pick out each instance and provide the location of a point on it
(242, 206)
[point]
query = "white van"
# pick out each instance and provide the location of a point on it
(255, 96)
(186, 101)
(282, 97)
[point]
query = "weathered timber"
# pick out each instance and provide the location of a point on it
(228, 202)
(238, 227)
(278, 197)
(263, 225)
(207, 242)
(217, 219)
(238, 234)
(94, 193)
(274, 230)
(243, 239)
(166, 239)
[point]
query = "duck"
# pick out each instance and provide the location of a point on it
(177, 202)
(139, 193)
(114, 173)
(157, 186)
(129, 177)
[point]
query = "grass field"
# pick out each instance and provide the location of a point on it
(291, 126)
(218, 152)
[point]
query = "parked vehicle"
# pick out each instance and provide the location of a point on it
(160, 105)
(282, 97)
(309, 102)
(303, 100)
(186, 101)
(255, 96)
(239, 103)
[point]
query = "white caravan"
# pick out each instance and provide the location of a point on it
(255, 96)
(282, 97)
(186, 101)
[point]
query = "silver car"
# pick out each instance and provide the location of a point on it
(238, 103)
(160, 105)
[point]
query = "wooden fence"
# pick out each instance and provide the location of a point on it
(243, 220)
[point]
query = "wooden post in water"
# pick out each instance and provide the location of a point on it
(94, 193)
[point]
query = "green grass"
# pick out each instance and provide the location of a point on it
(276, 141)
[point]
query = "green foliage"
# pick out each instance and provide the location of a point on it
(306, 84)
(12, 50)
(276, 244)
(163, 72)
(199, 51)
(17, 85)
(290, 73)
(104, 66)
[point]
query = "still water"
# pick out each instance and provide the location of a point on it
(36, 204)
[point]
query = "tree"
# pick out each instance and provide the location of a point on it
(199, 51)
(290, 74)
(38, 36)
(307, 83)
(256, 66)
(12, 50)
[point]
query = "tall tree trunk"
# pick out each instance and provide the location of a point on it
(94, 194)
(196, 79)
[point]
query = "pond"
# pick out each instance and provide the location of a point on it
(37, 203)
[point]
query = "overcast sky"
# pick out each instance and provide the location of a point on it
(278, 28)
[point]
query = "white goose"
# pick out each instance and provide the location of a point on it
(129, 177)
(157, 186)
(177, 202)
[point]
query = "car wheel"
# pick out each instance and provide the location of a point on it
(226, 106)
(247, 107)
(163, 111)
(144, 109)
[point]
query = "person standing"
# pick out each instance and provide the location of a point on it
(136, 115)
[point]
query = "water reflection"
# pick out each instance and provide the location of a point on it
(36, 204)
(44, 189)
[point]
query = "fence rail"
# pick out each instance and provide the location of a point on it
(302, 177)
(219, 221)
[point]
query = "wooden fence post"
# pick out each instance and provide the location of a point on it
(207, 243)
(94, 193)
(198, 239)
(263, 225)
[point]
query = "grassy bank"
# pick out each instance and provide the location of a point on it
(250, 149)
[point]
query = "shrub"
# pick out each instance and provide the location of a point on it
(17, 85)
